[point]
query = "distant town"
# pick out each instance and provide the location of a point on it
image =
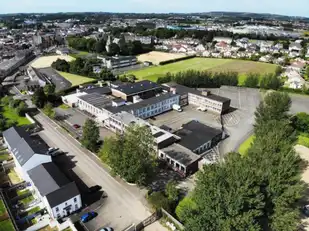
(127, 122)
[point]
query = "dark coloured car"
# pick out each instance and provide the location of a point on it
(95, 189)
(76, 126)
(306, 210)
(88, 216)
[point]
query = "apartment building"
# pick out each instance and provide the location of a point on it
(60, 196)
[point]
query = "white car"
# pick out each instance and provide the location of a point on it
(201, 109)
(106, 229)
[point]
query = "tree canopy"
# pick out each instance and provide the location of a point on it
(255, 192)
(131, 155)
(39, 98)
(91, 135)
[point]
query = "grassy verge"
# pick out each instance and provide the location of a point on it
(303, 140)
(4, 157)
(14, 177)
(6, 225)
(64, 106)
(22, 192)
(11, 115)
(246, 145)
(2, 208)
(80, 54)
(75, 79)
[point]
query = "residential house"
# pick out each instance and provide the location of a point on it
(200, 48)
(27, 151)
(226, 40)
(60, 196)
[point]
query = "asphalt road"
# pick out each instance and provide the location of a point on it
(124, 205)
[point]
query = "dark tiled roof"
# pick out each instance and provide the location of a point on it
(63, 194)
(99, 90)
(97, 100)
(23, 146)
(52, 183)
(218, 98)
(135, 88)
(194, 134)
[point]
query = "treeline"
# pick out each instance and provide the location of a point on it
(99, 46)
(200, 79)
(83, 67)
(258, 191)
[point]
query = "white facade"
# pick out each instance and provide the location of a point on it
(156, 108)
(203, 101)
(34, 161)
(59, 211)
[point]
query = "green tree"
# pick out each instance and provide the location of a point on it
(91, 135)
(21, 108)
(39, 98)
(185, 209)
(132, 155)
(49, 89)
(252, 80)
(171, 191)
(106, 75)
(49, 110)
(113, 49)
(158, 200)
(301, 122)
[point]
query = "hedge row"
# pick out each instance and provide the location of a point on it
(176, 60)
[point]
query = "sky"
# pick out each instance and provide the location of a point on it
(284, 7)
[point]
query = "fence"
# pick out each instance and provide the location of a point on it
(149, 220)
(173, 219)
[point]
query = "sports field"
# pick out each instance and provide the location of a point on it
(209, 64)
(75, 79)
(46, 61)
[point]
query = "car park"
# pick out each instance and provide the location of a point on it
(88, 216)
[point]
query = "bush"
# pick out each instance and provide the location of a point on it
(158, 200)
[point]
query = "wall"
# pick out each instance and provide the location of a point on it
(69, 202)
(202, 101)
(34, 161)
(29, 118)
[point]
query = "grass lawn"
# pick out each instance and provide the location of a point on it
(4, 157)
(14, 177)
(48, 228)
(12, 116)
(303, 140)
(75, 79)
(27, 200)
(22, 192)
(209, 64)
(246, 145)
(2, 208)
(6, 225)
(80, 54)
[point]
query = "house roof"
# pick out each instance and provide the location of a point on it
(181, 154)
(194, 134)
(52, 183)
(23, 146)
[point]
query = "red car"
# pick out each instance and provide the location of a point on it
(76, 126)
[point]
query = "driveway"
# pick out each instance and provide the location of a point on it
(124, 205)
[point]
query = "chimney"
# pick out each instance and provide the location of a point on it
(173, 90)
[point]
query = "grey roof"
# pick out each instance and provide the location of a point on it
(194, 134)
(141, 86)
(52, 183)
(181, 154)
(63, 194)
(99, 90)
(97, 100)
(218, 98)
(23, 146)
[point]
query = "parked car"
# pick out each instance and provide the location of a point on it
(76, 126)
(95, 188)
(305, 210)
(106, 229)
(88, 216)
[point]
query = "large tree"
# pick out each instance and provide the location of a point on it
(132, 154)
(49, 89)
(258, 191)
(39, 98)
(91, 135)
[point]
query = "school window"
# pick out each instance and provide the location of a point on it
(57, 209)
(75, 199)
